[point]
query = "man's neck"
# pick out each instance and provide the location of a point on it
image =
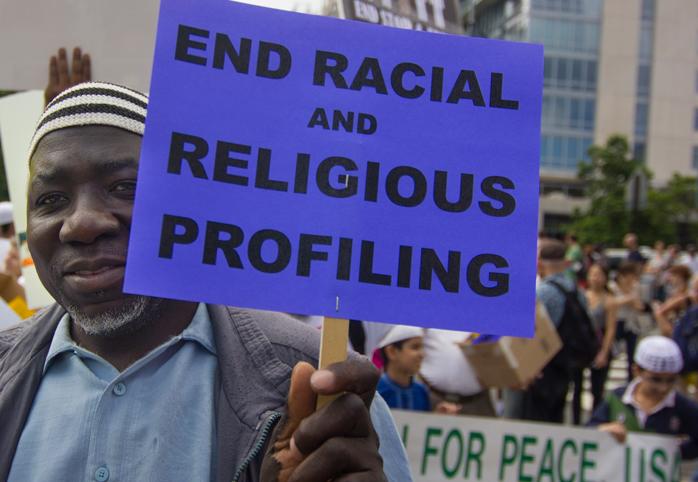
(552, 272)
(398, 376)
(646, 400)
(124, 350)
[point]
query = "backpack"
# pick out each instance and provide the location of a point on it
(580, 340)
(686, 336)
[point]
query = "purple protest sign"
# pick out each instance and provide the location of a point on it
(320, 166)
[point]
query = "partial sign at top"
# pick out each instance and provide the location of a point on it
(320, 166)
(430, 15)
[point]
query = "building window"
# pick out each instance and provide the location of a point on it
(639, 151)
(646, 42)
(647, 9)
(643, 80)
(695, 119)
(563, 73)
(641, 110)
(695, 158)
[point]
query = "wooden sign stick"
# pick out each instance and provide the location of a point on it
(333, 348)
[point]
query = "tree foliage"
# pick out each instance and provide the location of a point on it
(668, 214)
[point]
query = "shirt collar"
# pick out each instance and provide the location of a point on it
(668, 401)
(199, 330)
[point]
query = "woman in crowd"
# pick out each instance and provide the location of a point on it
(679, 300)
(629, 306)
(603, 310)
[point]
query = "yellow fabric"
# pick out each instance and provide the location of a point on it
(19, 305)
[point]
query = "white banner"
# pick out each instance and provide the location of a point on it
(446, 448)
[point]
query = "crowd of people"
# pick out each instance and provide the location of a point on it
(641, 309)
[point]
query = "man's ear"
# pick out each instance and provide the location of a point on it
(391, 352)
(636, 370)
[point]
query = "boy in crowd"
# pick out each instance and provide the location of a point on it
(402, 350)
(650, 403)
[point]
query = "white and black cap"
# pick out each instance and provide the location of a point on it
(93, 103)
(659, 354)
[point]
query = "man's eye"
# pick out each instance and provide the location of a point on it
(50, 199)
(128, 187)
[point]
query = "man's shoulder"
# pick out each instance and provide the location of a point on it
(549, 288)
(291, 339)
(20, 344)
(683, 402)
(28, 329)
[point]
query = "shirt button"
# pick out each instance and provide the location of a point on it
(102, 474)
(119, 389)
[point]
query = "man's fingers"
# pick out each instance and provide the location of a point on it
(63, 77)
(360, 477)
(344, 417)
(76, 70)
(301, 398)
(301, 401)
(86, 68)
(355, 374)
(341, 457)
(53, 71)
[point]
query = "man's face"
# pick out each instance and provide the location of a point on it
(408, 358)
(81, 192)
(657, 384)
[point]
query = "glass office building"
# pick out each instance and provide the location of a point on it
(625, 67)
(569, 30)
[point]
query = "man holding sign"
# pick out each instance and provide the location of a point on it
(162, 389)
(288, 164)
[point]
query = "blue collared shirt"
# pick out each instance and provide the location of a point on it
(153, 421)
(413, 397)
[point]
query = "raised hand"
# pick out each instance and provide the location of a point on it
(61, 76)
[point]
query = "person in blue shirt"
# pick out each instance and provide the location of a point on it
(402, 350)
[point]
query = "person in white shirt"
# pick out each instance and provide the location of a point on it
(452, 382)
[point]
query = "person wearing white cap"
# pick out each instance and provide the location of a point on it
(9, 256)
(7, 226)
(651, 403)
(402, 350)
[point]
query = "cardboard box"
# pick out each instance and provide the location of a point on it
(510, 361)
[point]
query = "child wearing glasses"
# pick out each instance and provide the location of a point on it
(651, 403)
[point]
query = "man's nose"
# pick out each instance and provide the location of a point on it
(89, 220)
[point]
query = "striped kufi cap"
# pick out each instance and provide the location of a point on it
(93, 103)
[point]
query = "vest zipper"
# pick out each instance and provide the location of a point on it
(264, 433)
